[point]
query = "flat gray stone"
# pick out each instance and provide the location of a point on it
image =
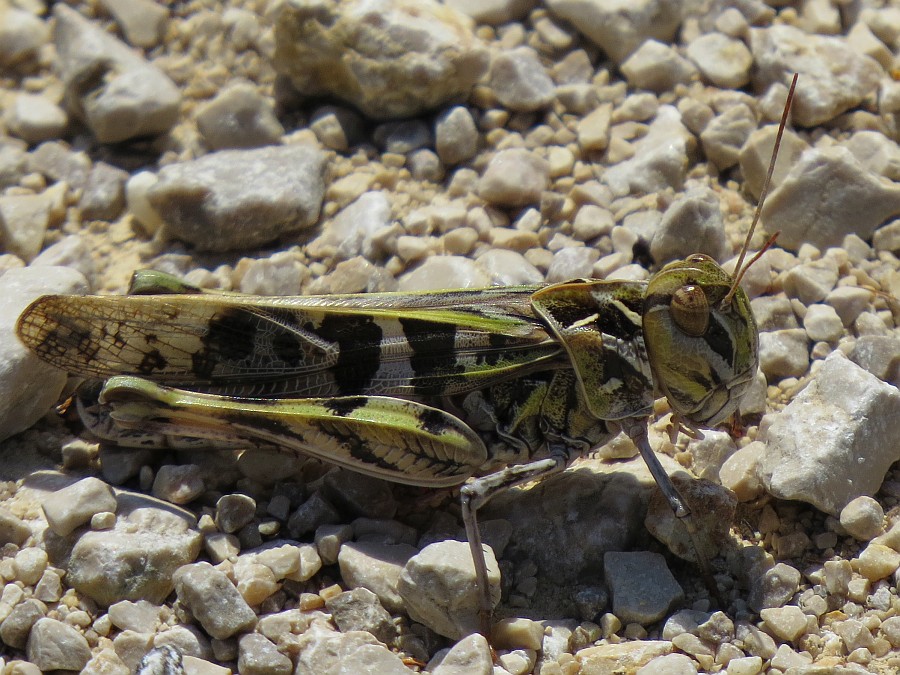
(641, 587)
(239, 199)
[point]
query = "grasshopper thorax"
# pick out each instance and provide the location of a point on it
(701, 339)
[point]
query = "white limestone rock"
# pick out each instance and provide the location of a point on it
(54, 645)
(657, 67)
(28, 386)
(35, 118)
(75, 505)
(660, 158)
(493, 12)
(726, 134)
(136, 559)
(692, 224)
(127, 98)
(352, 231)
(469, 656)
(519, 80)
(389, 58)
(756, 154)
(438, 587)
(621, 26)
(833, 77)
(722, 60)
(213, 600)
(827, 195)
(142, 21)
(514, 177)
(239, 117)
(22, 34)
(835, 440)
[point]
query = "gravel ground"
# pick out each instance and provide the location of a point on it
(285, 148)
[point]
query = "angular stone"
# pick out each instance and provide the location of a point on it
(390, 60)
(377, 567)
(117, 93)
(660, 158)
(353, 229)
(726, 134)
(360, 609)
(444, 271)
(13, 530)
(514, 177)
(620, 27)
(469, 656)
(816, 444)
(756, 154)
(833, 78)
(455, 136)
(239, 117)
(783, 353)
(827, 195)
(624, 657)
(135, 560)
(692, 224)
(75, 505)
(54, 645)
(786, 623)
(259, 656)
(774, 587)
(16, 627)
(213, 600)
(24, 219)
(519, 80)
(877, 562)
(722, 60)
(657, 67)
(642, 588)
(22, 34)
(438, 587)
(321, 651)
(237, 199)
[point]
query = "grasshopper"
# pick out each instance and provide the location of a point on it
(506, 385)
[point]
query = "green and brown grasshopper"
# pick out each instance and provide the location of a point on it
(428, 389)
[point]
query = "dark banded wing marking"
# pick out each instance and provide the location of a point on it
(401, 441)
(391, 344)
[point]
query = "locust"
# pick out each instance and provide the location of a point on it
(480, 388)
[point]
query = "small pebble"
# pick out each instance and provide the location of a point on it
(863, 518)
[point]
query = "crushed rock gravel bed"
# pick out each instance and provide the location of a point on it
(344, 146)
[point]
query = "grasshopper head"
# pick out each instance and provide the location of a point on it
(701, 338)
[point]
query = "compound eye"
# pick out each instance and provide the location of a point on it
(690, 310)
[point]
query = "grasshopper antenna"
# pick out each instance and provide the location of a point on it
(738, 270)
